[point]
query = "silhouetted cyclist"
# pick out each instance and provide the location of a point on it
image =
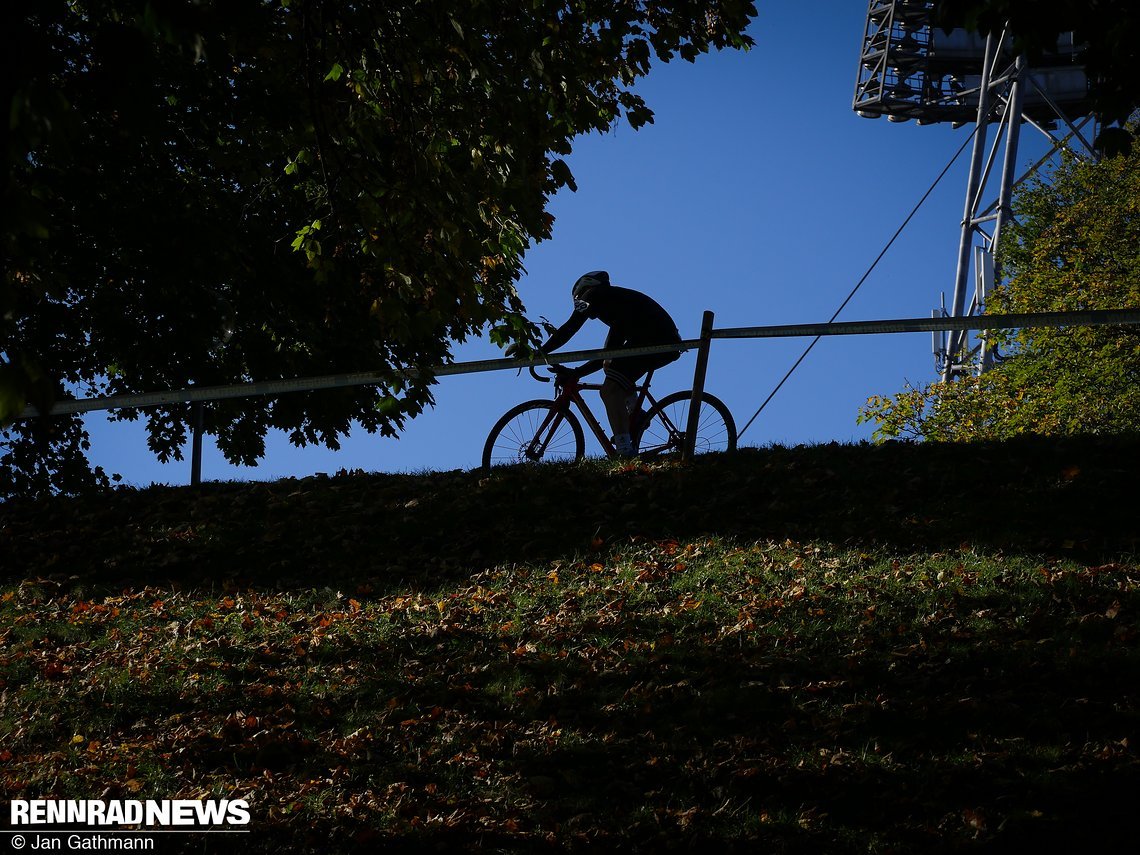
(635, 320)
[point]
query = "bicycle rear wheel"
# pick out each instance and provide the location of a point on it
(531, 432)
(666, 423)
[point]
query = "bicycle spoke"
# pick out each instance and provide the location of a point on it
(530, 433)
(666, 431)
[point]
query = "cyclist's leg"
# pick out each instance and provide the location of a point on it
(615, 389)
(622, 376)
(630, 371)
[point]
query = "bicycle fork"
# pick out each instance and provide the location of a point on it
(536, 448)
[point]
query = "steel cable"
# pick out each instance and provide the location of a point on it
(863, 279)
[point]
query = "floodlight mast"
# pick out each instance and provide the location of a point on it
(911, 69)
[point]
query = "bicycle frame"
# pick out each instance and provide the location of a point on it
(545, 429)
(568, 393)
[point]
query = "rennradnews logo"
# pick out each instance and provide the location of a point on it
(184, 814)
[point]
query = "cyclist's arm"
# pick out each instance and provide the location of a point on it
(564, 333)
(614, 341)
(589, 367)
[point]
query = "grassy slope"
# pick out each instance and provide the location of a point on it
(835, 648)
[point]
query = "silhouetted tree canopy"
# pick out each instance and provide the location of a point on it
(232, 190)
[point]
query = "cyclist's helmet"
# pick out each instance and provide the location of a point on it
(593, 279)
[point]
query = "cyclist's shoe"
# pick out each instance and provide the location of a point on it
(625, 446)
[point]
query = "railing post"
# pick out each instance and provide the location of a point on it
(196, 446)
(698, 387)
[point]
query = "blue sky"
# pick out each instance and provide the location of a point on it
(757, 194)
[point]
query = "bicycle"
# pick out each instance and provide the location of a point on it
(548, 430)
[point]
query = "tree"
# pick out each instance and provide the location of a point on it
(212, 192)
(1074, 244)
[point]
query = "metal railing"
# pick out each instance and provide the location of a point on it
(198, 395)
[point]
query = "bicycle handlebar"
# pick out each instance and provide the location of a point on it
(562, 378)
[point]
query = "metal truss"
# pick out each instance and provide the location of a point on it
(911, 69)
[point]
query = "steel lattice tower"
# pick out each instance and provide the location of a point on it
(911, 69)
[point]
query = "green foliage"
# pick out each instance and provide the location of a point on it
(1074, 245)
(40, 457)
(214, 192)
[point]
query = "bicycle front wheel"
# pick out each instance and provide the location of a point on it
(531, 432)
(666, 423)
